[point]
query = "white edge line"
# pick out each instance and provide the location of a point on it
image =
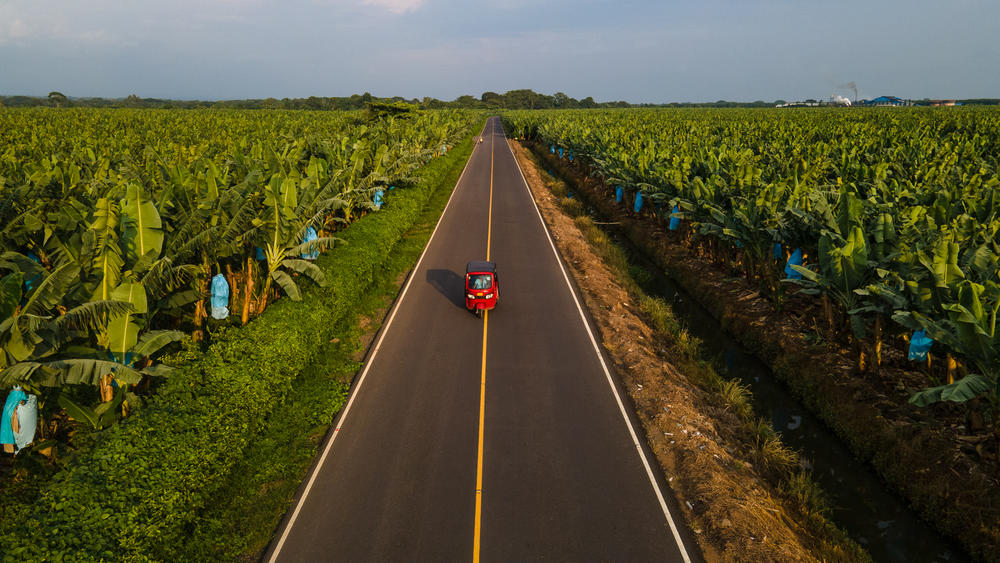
(607, 373)
(343, 415)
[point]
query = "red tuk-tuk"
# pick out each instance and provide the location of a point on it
(481, 286)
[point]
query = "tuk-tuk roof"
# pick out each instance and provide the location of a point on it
(480, 266)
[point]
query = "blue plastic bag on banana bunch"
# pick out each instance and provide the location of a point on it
(10, 420)
(220, 297)
(920, 344)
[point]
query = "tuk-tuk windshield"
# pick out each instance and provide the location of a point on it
(480, 281)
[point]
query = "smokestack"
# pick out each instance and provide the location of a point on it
(851, 85)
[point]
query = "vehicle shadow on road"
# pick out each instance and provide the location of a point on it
(449, 284)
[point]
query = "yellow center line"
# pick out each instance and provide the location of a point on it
(479, 464)
(482, 384)
(489, 220)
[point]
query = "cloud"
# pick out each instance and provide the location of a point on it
(13, 25)
(609, 49)
(396, 7)
(27, 23)
(14, 30)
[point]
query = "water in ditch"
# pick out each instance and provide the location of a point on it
(873, 516)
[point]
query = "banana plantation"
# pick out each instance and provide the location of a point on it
(890, 217)
(113, 225)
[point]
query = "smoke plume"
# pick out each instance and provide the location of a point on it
(851, 86)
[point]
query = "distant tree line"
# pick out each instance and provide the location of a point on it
(967, 102)
(513, 99)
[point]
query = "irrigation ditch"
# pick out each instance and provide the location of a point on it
(871, 512)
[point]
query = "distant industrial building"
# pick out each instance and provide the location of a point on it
(806, 104)
(885, 101)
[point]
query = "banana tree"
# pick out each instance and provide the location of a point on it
(881, 298)
(210, 226)
(370, 165)
(125, 340)
(843, 268)
(969, 330)
(285, 229)
(752, 226)
(44, 343)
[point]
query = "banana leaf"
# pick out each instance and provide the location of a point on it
(100, 416)
(123, 330)
(153, 341)
(83, 371)
(79, 412)
(965, 389)
(287, 284)
(17, 262)
(51, 291)
(10, 294)
(90, 315)
(143, 228)
(317, 244)
(306, 268)
(943, 263)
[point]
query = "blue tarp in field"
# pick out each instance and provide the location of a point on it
(377, 200)
(675, 221)
(220, 297)
(619, 192)
(638, 202)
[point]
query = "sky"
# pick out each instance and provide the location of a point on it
(637, 51)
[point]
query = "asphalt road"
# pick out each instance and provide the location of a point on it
(501, 439)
